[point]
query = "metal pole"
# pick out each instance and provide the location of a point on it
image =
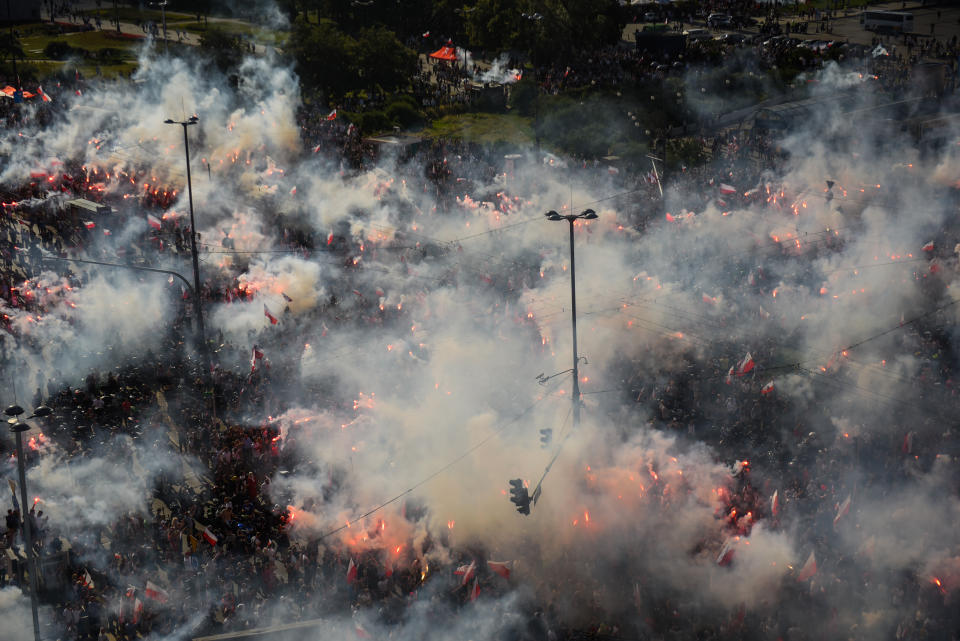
(193, 247)
(27, 537)
(576, 358)
(166, 47)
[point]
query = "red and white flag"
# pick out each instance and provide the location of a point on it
(727, 551)
(426, 34)
(475, 590)
(744, 366)
(154, 222)
(500, 567)
(842, 510)
(257, 356)
(43, 96)
(209, 536)
(767, 389)
(361, 631)
(332, 115)
(729, 379)
(809, 568)
(928, 247)
(466, 571)
(351, 572)
(89, 224)
(137, 610)
(727, 190)
(775, 503)
(87, 580)
(156, 593)
(266, 312)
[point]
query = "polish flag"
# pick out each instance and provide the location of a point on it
(500, 567)
(156, 593)
(154, 222)
(87, 580)
(426, 34)
(727, 190)
(467, 571)
(907, 446)
(726, 552)
(42, 94)
(89, 224)
(266, 312)
(293, 192)
(775, 503)
(361, 631)
(332, 115)
(137, 610)
(928, 247)
(744, 366)
(842, 510)
(257, 356)
(475, 590)
(209, 536)
(767, 389)
(729, 379)
(809, 568)
(351, 572)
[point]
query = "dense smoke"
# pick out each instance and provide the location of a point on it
(418, 353)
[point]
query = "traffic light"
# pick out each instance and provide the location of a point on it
(519, 496)
(545, 437)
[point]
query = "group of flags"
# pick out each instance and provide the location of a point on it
(744, 367)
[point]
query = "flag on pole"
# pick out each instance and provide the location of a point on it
(332, 115)
(500, 567)
(89, 224)
(43, 96)
(154, 222)
(156, 593)
(729, 379)
(928, 247)
(727, 551)
(775, 503)
(209, 536)
(467, 572)
(257, 356)
(809, 568)
(351, 572)
(744, 366)
(475, 591)
(727, 190)
(137, 610)
(86, 580)
(266, 312)
(842, 510)
(767, 389)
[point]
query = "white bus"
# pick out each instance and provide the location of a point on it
(887, 21)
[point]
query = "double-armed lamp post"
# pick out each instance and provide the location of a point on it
(586, 214)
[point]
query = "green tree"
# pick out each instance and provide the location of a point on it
(224, 49)
(383, 59)
(326, 57)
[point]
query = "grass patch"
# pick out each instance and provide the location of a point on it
(234, 28)
(483, 128)
(34, 44)
(130, 15)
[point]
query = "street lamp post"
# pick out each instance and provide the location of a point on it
(587, 214)
(163, 14)
(192, 120)
(18, 428)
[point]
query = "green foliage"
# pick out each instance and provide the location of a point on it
(523, 97)
(688, 152)
(61, 50)
(404, 112)
(385, 62)
(225, 49)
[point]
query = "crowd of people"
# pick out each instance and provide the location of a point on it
(214, 547)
